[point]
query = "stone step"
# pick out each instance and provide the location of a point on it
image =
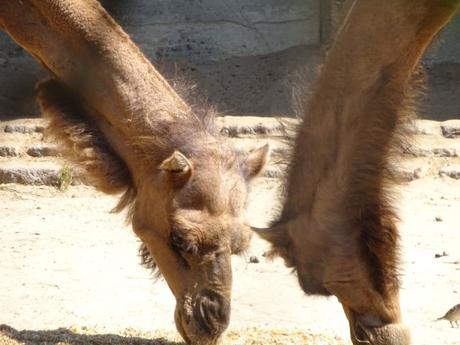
(452, 171)
(23, 126)
(23, 129)
(9, 151)
(425, 127)
(58, 173)
(451, 129)
(37, 173)
(433, 146)
(44, 150)
(250, 126)
(33, 150)
(24, 154)
(241, 126)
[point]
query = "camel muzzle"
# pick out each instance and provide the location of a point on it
(390, 334)
(203, 319)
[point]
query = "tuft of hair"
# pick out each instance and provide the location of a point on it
(81, 141)
(379, 222)
(199, 104)
(374, 186)
(148, 261)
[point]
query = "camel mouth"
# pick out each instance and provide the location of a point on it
(212, 312)
(389, 334)
(203, 319)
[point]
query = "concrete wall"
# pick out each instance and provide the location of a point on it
(213, 30)
(446, 48)
(242, 54)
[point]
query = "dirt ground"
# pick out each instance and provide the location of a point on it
(66, 262)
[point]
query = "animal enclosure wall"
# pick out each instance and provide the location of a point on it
(245, 55)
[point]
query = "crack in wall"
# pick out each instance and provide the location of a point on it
(220, 22)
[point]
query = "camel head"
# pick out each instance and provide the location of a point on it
(186, 192)
(331, 264)
(370, 330)
(191, 224)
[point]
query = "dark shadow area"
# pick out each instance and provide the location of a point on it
(117, 8)
(64, 336)
(441, 101)
(18, 75)
(253, 85)
(249, 85)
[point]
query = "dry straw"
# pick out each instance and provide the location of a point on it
(85, 336)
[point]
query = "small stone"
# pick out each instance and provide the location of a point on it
(409, 174)
(8, 151)
(444, 152)
(445, 253)
(254, 259)
(42, 151)
(452, 171)
(451, 129)
(437, 256)
(23, 129)
(438, 219)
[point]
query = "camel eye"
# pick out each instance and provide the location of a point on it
(182, 244)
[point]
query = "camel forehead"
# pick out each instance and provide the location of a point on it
(218, 191)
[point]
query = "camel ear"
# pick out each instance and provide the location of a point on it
(255, 161)
(281, 244)
(178, 168)
(275, 235)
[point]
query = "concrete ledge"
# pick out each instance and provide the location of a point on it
(30, 175)
(8, 151)
(451, 129)
(37, 173)
(452, 171)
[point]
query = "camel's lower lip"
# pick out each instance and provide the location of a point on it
(203, 319)
(179, 319)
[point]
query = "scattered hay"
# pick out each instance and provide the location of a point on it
(257, 336)
(85, 336)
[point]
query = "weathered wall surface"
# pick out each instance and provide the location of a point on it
(446, 47)
(213, 30)
(244, 55)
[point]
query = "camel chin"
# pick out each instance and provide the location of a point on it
(390, 334)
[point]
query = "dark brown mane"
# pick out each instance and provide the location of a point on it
(148, 262)
(71, 124)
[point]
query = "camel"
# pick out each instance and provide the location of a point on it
(184, 186)
(338, 227)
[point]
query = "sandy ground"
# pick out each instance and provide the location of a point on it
(65, 261)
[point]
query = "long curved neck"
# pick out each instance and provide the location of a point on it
(350, 120)
(83, 46)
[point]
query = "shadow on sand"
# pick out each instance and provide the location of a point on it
(64, 336)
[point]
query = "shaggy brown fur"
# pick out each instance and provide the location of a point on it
(82, 141)
(338, 227)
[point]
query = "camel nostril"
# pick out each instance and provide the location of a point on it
(361, 335)
(212, 312)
